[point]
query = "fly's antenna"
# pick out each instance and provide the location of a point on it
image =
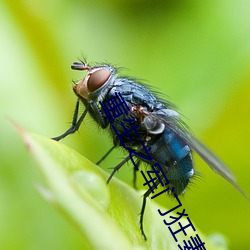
(80, 66)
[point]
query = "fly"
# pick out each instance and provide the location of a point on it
(158, 123)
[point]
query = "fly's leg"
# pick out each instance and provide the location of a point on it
(105, 155)
(138, 163)
(75, 124)
(101, 120)
(145, 196)
(116, 168)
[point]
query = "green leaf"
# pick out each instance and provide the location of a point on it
(106, 215)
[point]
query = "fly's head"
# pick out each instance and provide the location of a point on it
(96, 79)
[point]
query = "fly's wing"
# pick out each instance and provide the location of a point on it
(174, 123)
(211, 159)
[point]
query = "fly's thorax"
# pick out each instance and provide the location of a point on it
(96, 81)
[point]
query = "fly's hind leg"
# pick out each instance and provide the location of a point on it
(144, 201)
(138, 163)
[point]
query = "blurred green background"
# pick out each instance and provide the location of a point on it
(195, 52)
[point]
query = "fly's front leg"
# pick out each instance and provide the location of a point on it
(98, 115)
(75, 124)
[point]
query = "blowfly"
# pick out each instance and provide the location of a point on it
(158, 125)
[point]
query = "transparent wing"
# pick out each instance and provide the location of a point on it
(211, 159)
(175, 124)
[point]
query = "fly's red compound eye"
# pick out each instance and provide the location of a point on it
(97, 79)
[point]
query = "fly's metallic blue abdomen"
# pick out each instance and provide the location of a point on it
(175, 158)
